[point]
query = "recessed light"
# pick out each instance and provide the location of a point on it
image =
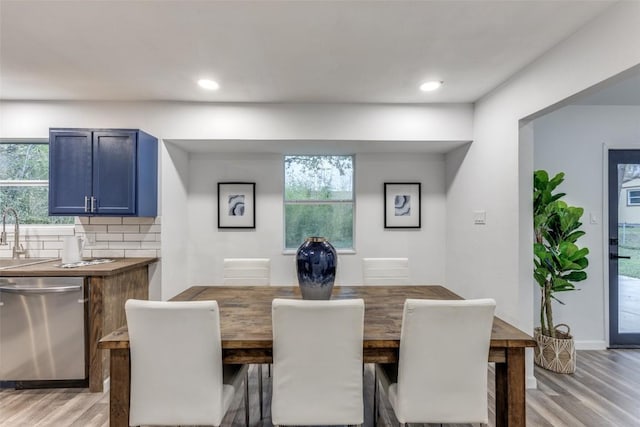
(208, 84)
(430, 85)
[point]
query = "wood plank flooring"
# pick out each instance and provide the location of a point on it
(604, 391)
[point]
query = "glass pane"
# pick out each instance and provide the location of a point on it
(318, 177)
(24, 161)
(629, 245)
(333, 221)
(31, 203)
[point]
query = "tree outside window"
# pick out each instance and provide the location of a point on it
(318, 199)
(24, 182)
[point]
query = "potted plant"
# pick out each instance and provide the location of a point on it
(559, 263)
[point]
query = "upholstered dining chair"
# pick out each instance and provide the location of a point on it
(177, 375)
(441, 374)
(385, 271)
(254, 272)
(317, 362)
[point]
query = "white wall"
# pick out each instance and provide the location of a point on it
(495, 173)
(318, 124)
(208, 246)
(571, 140)
(198, 121)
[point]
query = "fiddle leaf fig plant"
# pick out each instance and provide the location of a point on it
(558, 261)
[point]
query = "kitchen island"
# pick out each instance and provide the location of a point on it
(108, 286)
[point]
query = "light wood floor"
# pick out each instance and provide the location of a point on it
(604, 391)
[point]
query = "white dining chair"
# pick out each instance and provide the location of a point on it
(441, 374)
(317, 362)
(254, 272)
(385, 271)
(177, 375)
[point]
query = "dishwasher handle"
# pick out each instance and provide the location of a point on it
(16, 289)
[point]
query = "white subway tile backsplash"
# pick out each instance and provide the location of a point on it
(52, 245)
(105, 220)
(31, 245)
(140, 253)
(124, 245)
(140, 237)
(45, 230)
(150, 228)
(97, 245)
(111, 237)
(55, 238)
(114, 237)
(150, 245)
(91, 228)
(108, 253)
(124, 228)
(138, 220)
(6, 253)
(45, 253)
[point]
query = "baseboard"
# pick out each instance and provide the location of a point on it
(590, 345)
(106, 385)
(532, 382)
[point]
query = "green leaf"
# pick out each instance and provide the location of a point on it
(558, 260)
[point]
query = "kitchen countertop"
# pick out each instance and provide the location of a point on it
(49, 268)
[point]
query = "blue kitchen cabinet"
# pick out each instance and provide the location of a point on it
(109, 172)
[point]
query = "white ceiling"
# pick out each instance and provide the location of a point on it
(267, 51)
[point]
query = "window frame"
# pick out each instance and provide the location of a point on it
(630, 197)
(352, 201)
(32, 183)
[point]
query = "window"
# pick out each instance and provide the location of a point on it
(633, 197)
(24, 182)
(318, 200)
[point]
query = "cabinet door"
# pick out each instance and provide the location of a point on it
(70, 185)
(114, 172)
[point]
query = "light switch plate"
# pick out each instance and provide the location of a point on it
(479, 217)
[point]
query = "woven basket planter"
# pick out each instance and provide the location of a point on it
(555, 354)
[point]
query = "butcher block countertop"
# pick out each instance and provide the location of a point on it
(50, 268)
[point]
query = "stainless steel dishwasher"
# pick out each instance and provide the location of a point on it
(42, 331)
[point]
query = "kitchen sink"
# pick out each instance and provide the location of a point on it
(6, 264)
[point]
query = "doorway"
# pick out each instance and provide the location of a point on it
(624, 248)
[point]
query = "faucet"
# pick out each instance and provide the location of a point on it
(18, 249)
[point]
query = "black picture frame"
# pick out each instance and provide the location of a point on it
(236, 205)
(402, 205)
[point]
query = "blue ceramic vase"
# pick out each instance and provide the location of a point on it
(316, 262)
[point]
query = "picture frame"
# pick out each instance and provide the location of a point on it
(236, 205)
(402, 205)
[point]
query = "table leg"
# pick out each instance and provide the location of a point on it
(120, 387)
(510, 390)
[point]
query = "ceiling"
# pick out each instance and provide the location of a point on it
(268, 51)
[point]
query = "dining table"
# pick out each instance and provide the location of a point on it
(245, 323)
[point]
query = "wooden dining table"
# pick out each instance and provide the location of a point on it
(245, 322)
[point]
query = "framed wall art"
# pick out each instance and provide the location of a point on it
(402, 205)
(236, 205)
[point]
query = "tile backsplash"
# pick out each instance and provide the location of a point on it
(104, 237)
